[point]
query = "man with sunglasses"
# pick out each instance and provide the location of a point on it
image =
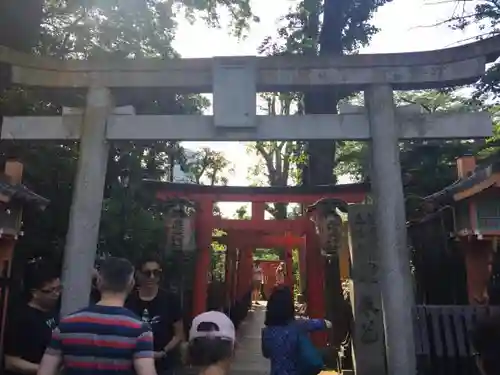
(30, 325)
(162, 311)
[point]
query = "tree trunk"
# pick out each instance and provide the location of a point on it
(321, 155)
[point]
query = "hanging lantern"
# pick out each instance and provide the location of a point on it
(328, 222)
(180, 226)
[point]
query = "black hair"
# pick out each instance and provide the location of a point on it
(38, 274)
(115, 274)
(208, 351)
(280, 308)
(147, 258)
(485, 338)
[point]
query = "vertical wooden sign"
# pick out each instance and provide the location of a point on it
(368, 336)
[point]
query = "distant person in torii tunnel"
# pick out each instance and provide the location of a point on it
(257, 282)
(280, 274)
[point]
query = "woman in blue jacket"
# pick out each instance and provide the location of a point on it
(280, 337)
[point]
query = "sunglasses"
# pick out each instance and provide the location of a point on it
(151, 273)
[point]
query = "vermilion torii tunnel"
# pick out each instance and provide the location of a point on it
(310, 233)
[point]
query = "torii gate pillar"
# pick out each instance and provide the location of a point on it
(85, 212)
(387, 186)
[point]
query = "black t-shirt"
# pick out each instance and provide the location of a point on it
(28, 333)
(161, 313)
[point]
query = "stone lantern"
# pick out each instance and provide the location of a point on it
(328, 222)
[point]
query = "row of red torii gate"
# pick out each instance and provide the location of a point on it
(318, 234)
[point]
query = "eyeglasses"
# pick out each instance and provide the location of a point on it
(54, 290)
(151, 273)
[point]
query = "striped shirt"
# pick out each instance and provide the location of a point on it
(101, 340)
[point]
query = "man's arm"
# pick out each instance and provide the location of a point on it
(17, 364)
(16, 336)
(50, 365)
(178, 336)
(52, 359)
(144, 363)
(175, 312)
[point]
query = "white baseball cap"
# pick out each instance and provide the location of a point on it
(220, 326)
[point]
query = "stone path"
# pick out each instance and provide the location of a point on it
(248, 359)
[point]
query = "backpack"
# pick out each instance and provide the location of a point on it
(309, 361)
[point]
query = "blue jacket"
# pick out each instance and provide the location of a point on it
(280, 344)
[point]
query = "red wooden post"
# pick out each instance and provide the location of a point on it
(242, 283)
(302, 266)
(204, 227)
(227, 275)
(289, 279)
(258, 210)
(249, 269)
(234, 276)
(315, 282)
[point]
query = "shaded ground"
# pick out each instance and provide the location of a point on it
(249, 359)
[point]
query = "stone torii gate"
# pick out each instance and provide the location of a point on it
(235, 81)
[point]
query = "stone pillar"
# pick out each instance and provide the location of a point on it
(364, 292)
(396, 283)
(85, 212)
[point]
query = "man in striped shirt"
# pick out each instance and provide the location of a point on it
(105, 338)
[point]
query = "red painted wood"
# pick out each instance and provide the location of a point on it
(289, 279)
(256, 239)
(268, 226)
(204, 218)
(350, 197)
(315, 283)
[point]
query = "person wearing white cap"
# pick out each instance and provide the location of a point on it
(212, 339)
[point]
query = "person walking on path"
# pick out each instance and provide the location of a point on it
(105, 338)
(282, 334)
(257, 283)
(280, 274)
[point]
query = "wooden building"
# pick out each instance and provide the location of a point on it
(455, 238)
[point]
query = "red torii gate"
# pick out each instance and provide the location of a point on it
(246, 242)
(205, 198)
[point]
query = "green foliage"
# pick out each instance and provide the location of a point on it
(485, 15)
(322, 27)
(423, 158)
(277, 161)
(210, 167)
(103, 30)
(242, 213)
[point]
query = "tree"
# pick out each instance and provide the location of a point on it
(242, 213)
(485, 15)
(135, 27)
(211, 166)
(106, 30)
(277, 160)
(423, 158)
(345, 27)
